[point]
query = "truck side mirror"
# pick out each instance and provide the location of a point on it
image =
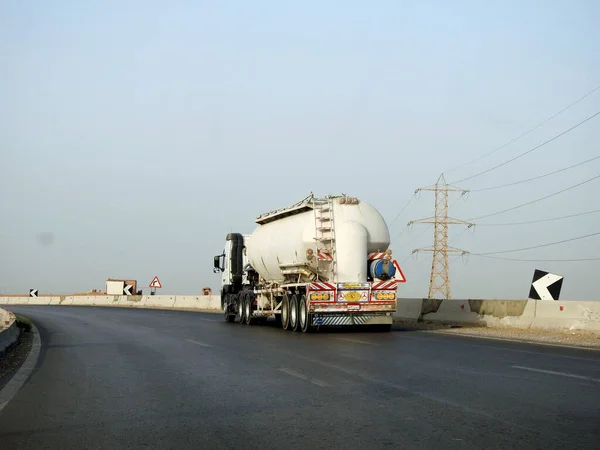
(217, 264)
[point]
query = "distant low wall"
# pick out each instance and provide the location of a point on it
(200, 302)
(569, 315)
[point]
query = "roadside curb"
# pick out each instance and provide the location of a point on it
(9, 337)
(19, 378)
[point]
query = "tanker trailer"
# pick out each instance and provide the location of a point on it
(320, 262)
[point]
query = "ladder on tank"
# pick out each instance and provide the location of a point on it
(325, 236)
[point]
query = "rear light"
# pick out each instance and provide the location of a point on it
(320, 296)
(385, 295)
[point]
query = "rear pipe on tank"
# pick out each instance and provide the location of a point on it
(351, 251)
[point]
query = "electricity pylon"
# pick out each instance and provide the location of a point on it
(439, 281)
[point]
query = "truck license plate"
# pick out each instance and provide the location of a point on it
(353, 307)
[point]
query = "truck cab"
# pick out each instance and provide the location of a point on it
(233, 260)
(232, 264)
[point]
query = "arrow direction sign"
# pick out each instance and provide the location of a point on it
(155, 283)
(127, 289)
(545, 286)
(33, 292)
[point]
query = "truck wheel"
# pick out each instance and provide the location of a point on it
(294, 313)
(225, 307)
(240, 304)
(303, 315)
(229, 318)
(248, 309)
(285, 312)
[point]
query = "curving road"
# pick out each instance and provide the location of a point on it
(120, 378)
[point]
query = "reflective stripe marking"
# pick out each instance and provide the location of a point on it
(303, 377)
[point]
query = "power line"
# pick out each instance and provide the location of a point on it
(537, 246)
(530, 150)
(461, 233)
(418, 236)
(400, 213)
(535, 178)
(538, 260)
(537, 221)
(537, 200)
(528, 131)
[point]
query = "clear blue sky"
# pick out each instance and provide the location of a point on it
(134, 135)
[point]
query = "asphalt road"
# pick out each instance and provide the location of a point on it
(119, 378)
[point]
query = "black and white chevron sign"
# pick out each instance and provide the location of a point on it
(545, 286)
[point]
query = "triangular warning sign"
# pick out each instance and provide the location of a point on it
(400, 278)
(155, 283)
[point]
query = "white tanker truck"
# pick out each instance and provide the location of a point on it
(320, 262)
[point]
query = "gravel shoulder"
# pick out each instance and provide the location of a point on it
(578, 338)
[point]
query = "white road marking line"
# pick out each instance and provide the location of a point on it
(303, 377)
(445, 402)
(358, 341)
(318, 382)
(198, 343)
(562, 374)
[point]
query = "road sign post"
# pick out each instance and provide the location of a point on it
(154, 284)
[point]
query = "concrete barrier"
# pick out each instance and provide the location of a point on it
(200, 302)
(9, 331)
(159, 301)
(569, 315)
(204, 302)
(409, 308)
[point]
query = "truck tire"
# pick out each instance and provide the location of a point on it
(240, 306)
(285, 312)
(294, 313)
(304, 317)
(248, 300)
(229, 317)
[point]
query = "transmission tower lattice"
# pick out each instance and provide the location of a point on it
(439, 282)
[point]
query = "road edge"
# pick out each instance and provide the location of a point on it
(16, 382)
(517, 340)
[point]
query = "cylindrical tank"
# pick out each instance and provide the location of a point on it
(359, 230)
